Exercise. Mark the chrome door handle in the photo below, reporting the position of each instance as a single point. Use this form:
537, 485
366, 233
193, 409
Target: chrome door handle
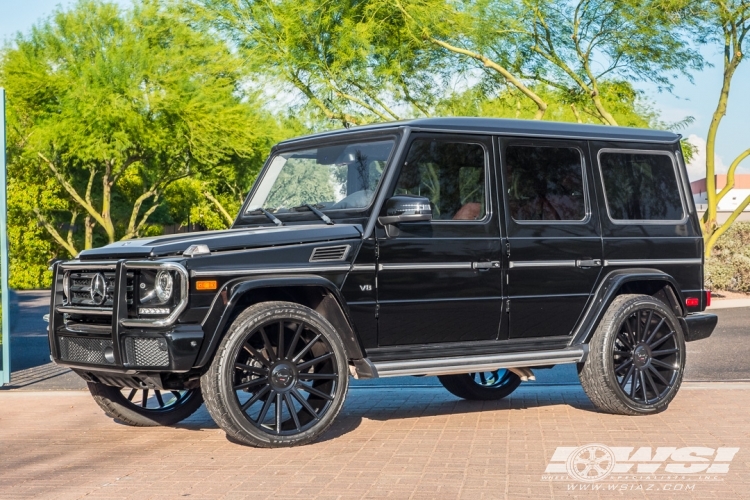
483, 266
589, 263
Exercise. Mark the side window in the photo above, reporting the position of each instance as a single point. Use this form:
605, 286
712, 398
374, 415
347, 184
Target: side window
641, 186
450, 174
544, 183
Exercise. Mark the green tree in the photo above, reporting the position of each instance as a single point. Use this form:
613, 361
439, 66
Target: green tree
727, 24
116, 106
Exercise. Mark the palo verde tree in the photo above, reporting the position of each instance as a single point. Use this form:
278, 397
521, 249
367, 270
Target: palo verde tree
114, 106
726, 24
348, 61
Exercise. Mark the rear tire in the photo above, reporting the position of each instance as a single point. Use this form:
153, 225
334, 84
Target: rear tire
146, 407
279, 377
485, 386
636, 357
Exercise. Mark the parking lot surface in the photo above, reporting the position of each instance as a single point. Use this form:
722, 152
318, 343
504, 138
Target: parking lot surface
389, 442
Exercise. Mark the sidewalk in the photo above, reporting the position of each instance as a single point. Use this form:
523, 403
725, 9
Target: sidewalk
387, 443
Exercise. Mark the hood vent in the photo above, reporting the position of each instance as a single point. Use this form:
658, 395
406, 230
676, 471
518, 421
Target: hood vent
329, 254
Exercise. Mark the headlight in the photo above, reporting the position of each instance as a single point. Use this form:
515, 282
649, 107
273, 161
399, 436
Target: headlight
164, 285
156, 287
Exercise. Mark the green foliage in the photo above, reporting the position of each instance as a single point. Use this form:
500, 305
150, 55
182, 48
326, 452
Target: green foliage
728, 268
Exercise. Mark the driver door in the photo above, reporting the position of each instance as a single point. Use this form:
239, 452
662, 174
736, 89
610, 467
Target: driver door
441, 281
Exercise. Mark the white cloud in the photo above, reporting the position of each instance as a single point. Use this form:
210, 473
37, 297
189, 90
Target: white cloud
697, 166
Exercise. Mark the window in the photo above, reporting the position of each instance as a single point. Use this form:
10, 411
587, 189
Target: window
450, 174
544, 183
343, 176
640, 186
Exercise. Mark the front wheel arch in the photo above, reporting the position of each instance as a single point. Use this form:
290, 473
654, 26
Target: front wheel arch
315, 292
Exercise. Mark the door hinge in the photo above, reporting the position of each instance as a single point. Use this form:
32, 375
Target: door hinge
507, 305
507, 249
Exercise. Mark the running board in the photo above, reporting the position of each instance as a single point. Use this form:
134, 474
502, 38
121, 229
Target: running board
470, 364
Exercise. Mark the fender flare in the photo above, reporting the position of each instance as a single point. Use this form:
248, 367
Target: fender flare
607, 291
229, 297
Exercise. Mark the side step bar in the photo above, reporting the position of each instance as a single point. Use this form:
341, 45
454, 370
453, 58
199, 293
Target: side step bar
469, 364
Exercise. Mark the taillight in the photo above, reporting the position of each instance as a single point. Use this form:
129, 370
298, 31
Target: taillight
692, 302
707, 294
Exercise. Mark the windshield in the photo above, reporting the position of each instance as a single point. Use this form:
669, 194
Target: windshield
344, 176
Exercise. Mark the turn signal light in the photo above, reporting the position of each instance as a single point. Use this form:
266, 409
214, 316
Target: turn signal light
692, 302
206, 285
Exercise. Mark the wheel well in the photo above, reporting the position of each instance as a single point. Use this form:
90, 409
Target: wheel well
316, 298
660, 290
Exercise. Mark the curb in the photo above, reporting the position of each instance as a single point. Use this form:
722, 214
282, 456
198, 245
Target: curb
728, 304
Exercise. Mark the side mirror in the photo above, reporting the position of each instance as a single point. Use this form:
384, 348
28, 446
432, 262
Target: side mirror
406, 208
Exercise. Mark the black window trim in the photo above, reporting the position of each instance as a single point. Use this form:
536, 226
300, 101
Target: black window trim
677, 177
465, 140
506, 201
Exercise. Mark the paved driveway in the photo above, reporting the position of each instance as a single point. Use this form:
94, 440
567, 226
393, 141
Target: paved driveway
417, 443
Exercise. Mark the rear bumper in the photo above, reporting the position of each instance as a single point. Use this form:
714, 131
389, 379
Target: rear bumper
698, 326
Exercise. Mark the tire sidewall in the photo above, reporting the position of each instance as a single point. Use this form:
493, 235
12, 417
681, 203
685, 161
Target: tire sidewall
625, 309
245, 324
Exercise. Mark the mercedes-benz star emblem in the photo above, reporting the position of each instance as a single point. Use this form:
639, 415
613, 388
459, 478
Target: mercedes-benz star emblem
98, 289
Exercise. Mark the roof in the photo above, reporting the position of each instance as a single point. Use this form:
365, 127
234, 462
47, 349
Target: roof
503, 126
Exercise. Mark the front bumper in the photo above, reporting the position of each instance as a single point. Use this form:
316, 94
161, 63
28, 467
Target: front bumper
698, 326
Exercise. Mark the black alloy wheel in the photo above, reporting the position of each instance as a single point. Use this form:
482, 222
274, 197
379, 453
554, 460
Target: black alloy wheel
285, 378
636, 357
279, 378
485, 386
646, 357
146, 407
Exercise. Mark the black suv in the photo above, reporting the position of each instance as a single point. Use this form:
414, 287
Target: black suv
471, 249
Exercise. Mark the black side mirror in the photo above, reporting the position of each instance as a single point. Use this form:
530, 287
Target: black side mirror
406, 208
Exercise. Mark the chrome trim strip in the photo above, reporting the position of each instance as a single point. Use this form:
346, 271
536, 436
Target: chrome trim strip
448, 366
270, 270
95, 311
651, 262
181, 305
361, 268
426, 267
88, 265
542, 263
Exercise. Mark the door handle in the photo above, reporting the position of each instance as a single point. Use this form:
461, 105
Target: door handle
589, 263
483, 266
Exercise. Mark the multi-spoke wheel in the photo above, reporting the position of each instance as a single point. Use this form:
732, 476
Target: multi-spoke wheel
636, 357
146, 407
279, 377
483, 385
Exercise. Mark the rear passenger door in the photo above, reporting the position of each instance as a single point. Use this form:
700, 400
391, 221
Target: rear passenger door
554, 245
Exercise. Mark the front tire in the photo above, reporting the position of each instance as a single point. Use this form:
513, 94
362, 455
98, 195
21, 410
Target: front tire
146, 407
484, 386
636, 357
279, 377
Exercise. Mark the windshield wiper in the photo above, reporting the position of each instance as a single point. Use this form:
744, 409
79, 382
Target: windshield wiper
317, 212
268, 214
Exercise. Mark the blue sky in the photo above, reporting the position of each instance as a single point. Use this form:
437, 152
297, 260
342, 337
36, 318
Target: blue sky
688, 99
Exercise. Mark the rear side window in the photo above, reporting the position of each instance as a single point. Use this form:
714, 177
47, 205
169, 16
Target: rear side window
545, 183
641, 186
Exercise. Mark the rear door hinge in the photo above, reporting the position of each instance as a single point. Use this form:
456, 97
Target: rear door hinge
507, 305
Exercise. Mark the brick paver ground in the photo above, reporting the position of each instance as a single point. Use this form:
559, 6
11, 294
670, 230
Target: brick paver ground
388, 443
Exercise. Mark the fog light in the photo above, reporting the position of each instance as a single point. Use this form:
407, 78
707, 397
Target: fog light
153, 310
109, 355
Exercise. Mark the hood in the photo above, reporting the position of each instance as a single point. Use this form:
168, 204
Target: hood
229, 239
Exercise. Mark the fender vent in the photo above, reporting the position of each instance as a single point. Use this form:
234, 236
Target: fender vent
328, 254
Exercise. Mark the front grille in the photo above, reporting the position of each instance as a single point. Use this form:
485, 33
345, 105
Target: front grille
80, 284
84, 350
146, 351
